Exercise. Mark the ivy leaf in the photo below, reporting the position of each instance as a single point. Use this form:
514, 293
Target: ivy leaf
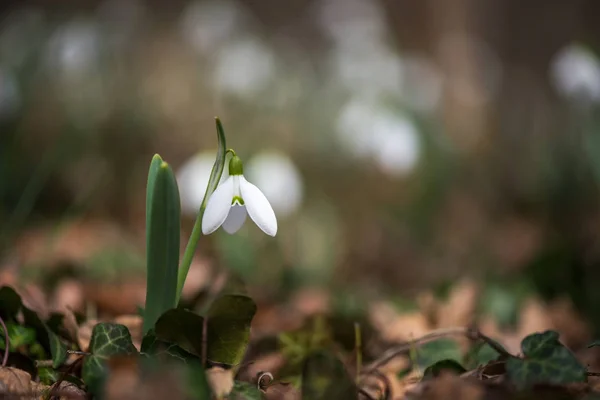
108, 340
228, 328
58, 349
18, 336
324, 377
48, 375
162, 350
245, 391
481, 353
546, 361
438, 350
435, 370
183, 328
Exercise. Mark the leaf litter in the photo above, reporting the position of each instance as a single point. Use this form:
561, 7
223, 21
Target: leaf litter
443, 348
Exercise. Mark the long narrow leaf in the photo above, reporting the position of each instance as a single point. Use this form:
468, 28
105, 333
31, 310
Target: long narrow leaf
162, 253
152, 172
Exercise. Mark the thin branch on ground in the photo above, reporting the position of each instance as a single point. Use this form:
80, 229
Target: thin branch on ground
6, 343
470, 333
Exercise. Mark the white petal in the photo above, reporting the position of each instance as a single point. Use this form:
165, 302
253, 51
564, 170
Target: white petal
258, 207
235, 219
218, 207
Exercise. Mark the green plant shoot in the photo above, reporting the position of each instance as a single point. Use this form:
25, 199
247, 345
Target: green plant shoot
163, 226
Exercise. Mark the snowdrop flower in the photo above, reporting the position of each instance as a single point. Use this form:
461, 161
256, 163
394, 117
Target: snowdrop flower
575, 71
235, 198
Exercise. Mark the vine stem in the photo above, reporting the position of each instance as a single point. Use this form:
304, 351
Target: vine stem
6, 343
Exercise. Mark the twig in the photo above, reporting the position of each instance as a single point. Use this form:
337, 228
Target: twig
6, 343
366, 394
593, 373
79, 353
470, 333
56, 386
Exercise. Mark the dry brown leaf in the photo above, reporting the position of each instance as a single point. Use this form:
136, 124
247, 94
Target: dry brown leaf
117, 298
220, 380
123, 378
447, 386
68, 295
74, 242
266, 363
395, 327
17, 384
459, 309
574, 331
282, 391
199, 276
84, 334
534, 317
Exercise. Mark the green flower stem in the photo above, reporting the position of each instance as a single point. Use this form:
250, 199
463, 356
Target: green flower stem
215, 177
190, 250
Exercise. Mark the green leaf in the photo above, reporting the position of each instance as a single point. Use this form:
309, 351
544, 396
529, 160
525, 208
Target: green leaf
152, 173
438, 350
10, 303
18, 335
57, 348
546, 361
245, 391
183, 328
162, 241
164, 351
219, 165
108, 340
228, 328
481, 353
434, 370
324, 377
47, 375
197, 383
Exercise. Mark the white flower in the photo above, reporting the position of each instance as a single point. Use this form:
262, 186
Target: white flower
192, 178
233, 199
575, 71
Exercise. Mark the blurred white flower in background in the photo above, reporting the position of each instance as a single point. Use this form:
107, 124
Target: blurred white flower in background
575, 71
370, 131
244, 67
361, 59
351, 23
192, 179
206, 25
367, 70
279, 179
75, 46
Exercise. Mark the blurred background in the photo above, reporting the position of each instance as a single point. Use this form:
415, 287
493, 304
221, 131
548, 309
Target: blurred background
405, 146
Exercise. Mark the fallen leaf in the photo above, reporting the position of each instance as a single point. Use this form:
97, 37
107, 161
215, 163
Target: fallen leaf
220, 380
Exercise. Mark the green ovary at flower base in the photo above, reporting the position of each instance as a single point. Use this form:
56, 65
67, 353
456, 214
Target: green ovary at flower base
235, 198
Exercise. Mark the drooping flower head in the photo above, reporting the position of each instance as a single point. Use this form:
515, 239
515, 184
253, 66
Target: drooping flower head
235, 198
